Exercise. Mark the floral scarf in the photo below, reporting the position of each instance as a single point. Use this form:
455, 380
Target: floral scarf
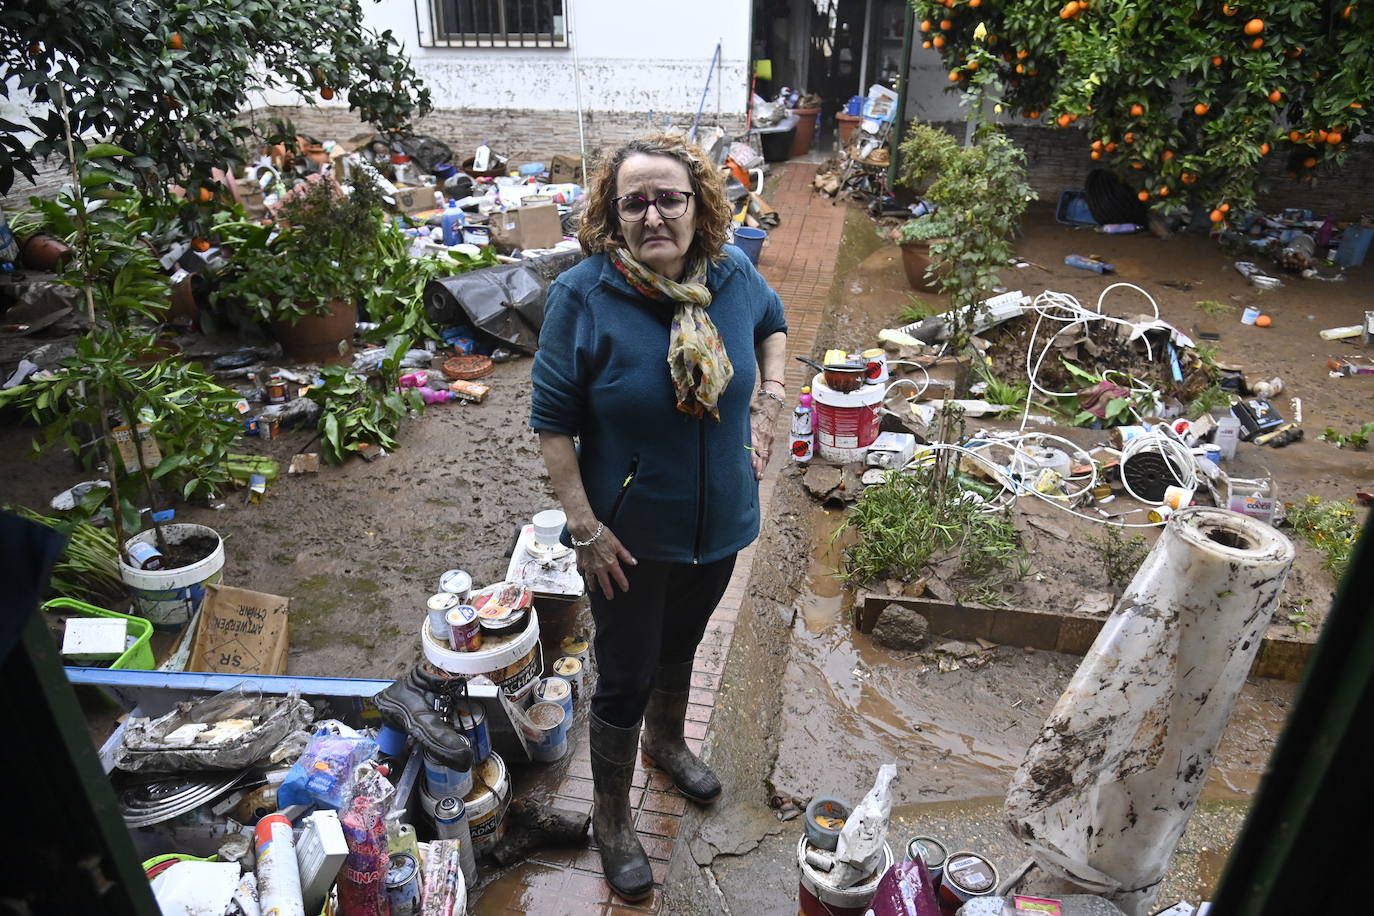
697, 360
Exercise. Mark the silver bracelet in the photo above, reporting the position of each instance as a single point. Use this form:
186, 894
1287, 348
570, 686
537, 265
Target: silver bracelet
600, 527
770, 394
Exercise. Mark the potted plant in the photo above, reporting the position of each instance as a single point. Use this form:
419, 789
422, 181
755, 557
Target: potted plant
305, 276
915, 237
163, 425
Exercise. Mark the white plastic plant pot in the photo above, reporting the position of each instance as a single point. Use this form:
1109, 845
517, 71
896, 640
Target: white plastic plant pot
1104, 794
168, 598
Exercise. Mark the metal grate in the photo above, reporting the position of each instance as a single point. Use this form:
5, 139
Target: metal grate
494, 24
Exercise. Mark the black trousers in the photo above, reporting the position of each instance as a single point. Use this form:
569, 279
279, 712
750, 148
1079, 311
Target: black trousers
659, 621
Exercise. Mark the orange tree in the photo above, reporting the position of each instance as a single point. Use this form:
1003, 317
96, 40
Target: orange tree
169, 81
1184, 99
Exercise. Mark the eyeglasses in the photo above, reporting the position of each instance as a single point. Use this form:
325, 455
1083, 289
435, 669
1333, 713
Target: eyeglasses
670, 205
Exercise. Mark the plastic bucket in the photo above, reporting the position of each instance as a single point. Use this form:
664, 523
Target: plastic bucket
846, 422
750, 241
139, 655
550, 742
512, 662
168, 598
486, 804
819, 898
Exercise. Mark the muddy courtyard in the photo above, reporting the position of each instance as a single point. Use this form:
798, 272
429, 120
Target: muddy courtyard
807, 705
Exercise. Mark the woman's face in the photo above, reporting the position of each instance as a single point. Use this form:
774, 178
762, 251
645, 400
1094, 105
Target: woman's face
659, 244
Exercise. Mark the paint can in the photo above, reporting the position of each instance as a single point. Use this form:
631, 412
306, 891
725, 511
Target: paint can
1158, 515
403, 885
145, 555
437, 609
577, 647
486, 804
276, 390
442, 779
457, 582
1250, 314
967, 875
555, 690
819, 898
477, 235
551, 722
511, 662
570, 669
875, 366
464, 629
1177, 497
930, 851
846, 422
470, 718
1212, 453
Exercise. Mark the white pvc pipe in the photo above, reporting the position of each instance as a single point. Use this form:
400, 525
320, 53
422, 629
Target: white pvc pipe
1104, 794
577, 87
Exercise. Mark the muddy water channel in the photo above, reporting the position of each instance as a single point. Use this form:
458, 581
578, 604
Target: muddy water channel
956, 736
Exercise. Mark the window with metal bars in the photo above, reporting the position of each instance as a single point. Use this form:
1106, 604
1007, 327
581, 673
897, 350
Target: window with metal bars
494, 24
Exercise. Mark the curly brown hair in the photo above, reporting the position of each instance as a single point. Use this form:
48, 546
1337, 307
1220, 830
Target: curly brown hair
599, 228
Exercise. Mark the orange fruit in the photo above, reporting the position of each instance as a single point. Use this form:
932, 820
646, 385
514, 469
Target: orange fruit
1020, 68
974, 4
1294, 136
1143, 196
1032, 71
205, 197
1310, 162
1356, 105
1163, 191
1257, 44
199, 243
946, 25
925, 25
1216, 62
1064, 120
1201, 109
326, 93
1229, 10
1254, 27
938, 41
1097, 144
1333, 138
1033, 115
1188, 177
1022, 54
1225, 208
1129, 138
973, 65
1167, 155
1137, 165
1263, 321
925, 44
175, 42
1321, 136
1111, 146
954, 76
1291, 174
1137, 110
1276, 96
1070, 10
1348, 11
1264, 149
1216, 216
1095, 154
1293, 52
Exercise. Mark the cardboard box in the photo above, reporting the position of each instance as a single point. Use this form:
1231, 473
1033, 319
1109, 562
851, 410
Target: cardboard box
415, 200
240, 632
566, 169
534, 226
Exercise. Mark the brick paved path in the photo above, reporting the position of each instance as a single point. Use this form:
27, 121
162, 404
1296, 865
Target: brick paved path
799, 262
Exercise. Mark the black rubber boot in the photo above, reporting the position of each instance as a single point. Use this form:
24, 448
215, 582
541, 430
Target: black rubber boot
664, 745
623, 862
408, 706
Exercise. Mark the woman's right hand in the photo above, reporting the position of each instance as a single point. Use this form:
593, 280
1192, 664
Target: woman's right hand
601, 563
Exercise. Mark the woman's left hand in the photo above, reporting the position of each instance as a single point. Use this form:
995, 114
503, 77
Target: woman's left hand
762, 419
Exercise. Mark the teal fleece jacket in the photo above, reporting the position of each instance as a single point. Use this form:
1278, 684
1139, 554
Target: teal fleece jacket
672, 488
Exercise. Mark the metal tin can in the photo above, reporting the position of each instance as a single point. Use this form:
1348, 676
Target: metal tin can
569, 668
276, 390
265, 430
967, 875
930, 851
1177, 497
403, 885
555, 690
145, 555
457, 582
465, 630
577, 647
470, 718
875, 366
1158, 515
438, 607
1250, 314
450, 817
442, 779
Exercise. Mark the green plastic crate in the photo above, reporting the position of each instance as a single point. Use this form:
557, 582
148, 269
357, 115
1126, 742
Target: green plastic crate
139, 655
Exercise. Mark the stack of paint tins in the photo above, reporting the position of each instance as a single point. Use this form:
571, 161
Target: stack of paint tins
454, 797
960, 876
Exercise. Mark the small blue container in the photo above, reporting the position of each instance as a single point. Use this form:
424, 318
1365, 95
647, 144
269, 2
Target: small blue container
750, 241
856, 106
1354, 246
552, 724
1073, 209
470, 718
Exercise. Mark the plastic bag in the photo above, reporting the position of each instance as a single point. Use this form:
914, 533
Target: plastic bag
324, 775
905, 890
859, 851
227, 731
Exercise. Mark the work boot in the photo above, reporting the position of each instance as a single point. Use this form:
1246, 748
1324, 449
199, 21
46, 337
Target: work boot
664, 745
408, 706
623, 862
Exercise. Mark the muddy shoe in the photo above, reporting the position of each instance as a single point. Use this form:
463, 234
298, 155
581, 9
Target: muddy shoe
408, 706
623, 862
663, 744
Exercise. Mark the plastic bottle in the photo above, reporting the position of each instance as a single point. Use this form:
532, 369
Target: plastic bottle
435, 396
1227, 435
805, 400
481, 160
1327, 231
1117, 228
452, 223
1097, 267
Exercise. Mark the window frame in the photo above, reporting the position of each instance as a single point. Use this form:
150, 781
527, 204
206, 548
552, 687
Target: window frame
504, 39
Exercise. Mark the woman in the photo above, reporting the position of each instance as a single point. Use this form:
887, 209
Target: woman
647, 357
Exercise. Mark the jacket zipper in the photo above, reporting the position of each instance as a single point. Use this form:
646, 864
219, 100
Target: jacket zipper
701, 488
624, 490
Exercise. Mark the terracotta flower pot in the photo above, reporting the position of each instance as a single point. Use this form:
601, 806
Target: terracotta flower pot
848, 123
44, 251
916, 260
319, 338
806, 128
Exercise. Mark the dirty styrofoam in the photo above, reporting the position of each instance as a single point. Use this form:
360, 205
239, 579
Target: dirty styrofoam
94, 638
